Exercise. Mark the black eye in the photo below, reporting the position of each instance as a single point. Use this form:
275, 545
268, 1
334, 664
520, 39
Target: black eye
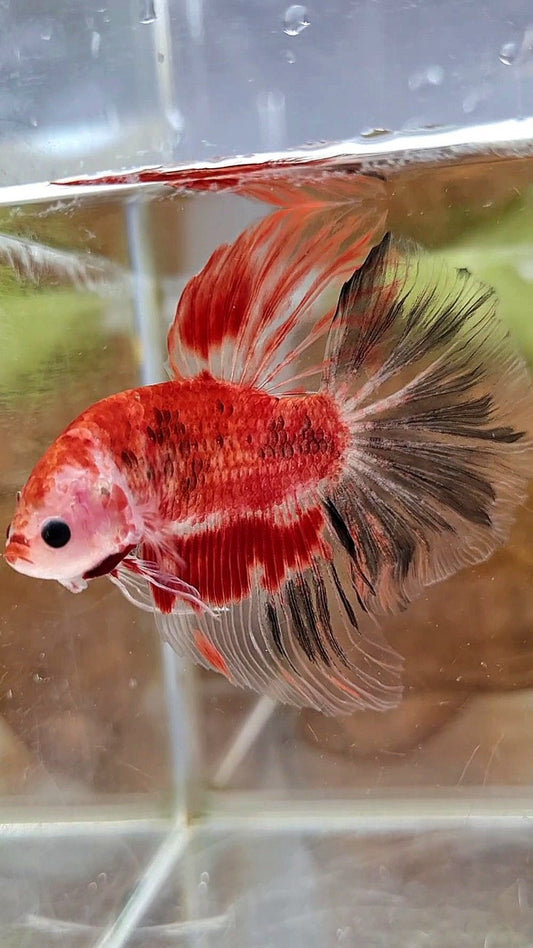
56, 533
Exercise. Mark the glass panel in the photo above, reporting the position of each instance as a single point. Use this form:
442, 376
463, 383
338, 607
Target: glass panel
81, 676
99, 724
88, 86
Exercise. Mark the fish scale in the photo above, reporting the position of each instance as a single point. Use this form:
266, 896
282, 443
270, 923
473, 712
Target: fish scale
232, 460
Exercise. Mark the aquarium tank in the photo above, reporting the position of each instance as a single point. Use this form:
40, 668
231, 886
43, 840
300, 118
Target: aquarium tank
146, 800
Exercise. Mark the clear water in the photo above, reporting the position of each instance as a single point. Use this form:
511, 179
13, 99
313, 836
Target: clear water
143, 803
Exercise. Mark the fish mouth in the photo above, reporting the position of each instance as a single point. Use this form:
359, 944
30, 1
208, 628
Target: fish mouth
17, 550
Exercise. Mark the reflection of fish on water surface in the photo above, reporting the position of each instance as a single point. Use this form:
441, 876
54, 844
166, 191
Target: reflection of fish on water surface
260, 500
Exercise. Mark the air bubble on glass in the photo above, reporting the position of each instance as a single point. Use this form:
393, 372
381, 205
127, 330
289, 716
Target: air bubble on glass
295, 19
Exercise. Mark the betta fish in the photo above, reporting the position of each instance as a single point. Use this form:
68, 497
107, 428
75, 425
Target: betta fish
303, 466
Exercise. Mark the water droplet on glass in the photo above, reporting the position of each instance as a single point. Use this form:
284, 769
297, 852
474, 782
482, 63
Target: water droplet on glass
203, 885
9, 694
132, 683
375, 132
470, 102
525, 270
508, 53
434, 75
148, 14
272, 118
46, 33
295, 20
290, 57
431, 76
161, 57
175, 119
343, 934
96, 39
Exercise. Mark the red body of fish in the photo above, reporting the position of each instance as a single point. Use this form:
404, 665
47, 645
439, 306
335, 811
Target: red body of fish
205, 452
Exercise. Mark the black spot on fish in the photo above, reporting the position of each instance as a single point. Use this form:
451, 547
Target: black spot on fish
301, 629
275, 629
324, 618
343, 597
340, 527
129, 458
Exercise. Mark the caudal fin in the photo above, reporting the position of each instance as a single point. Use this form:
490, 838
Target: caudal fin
440, 407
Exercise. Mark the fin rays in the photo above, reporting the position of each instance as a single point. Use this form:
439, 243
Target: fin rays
250, 314
439, 407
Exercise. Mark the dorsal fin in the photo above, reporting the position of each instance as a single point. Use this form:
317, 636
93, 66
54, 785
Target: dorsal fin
251, 313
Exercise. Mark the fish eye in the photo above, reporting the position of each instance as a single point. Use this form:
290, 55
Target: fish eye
56, 533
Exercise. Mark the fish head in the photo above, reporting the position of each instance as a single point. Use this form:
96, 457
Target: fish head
72, 522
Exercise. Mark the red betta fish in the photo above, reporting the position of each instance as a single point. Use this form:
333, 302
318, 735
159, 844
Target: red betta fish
258, 519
